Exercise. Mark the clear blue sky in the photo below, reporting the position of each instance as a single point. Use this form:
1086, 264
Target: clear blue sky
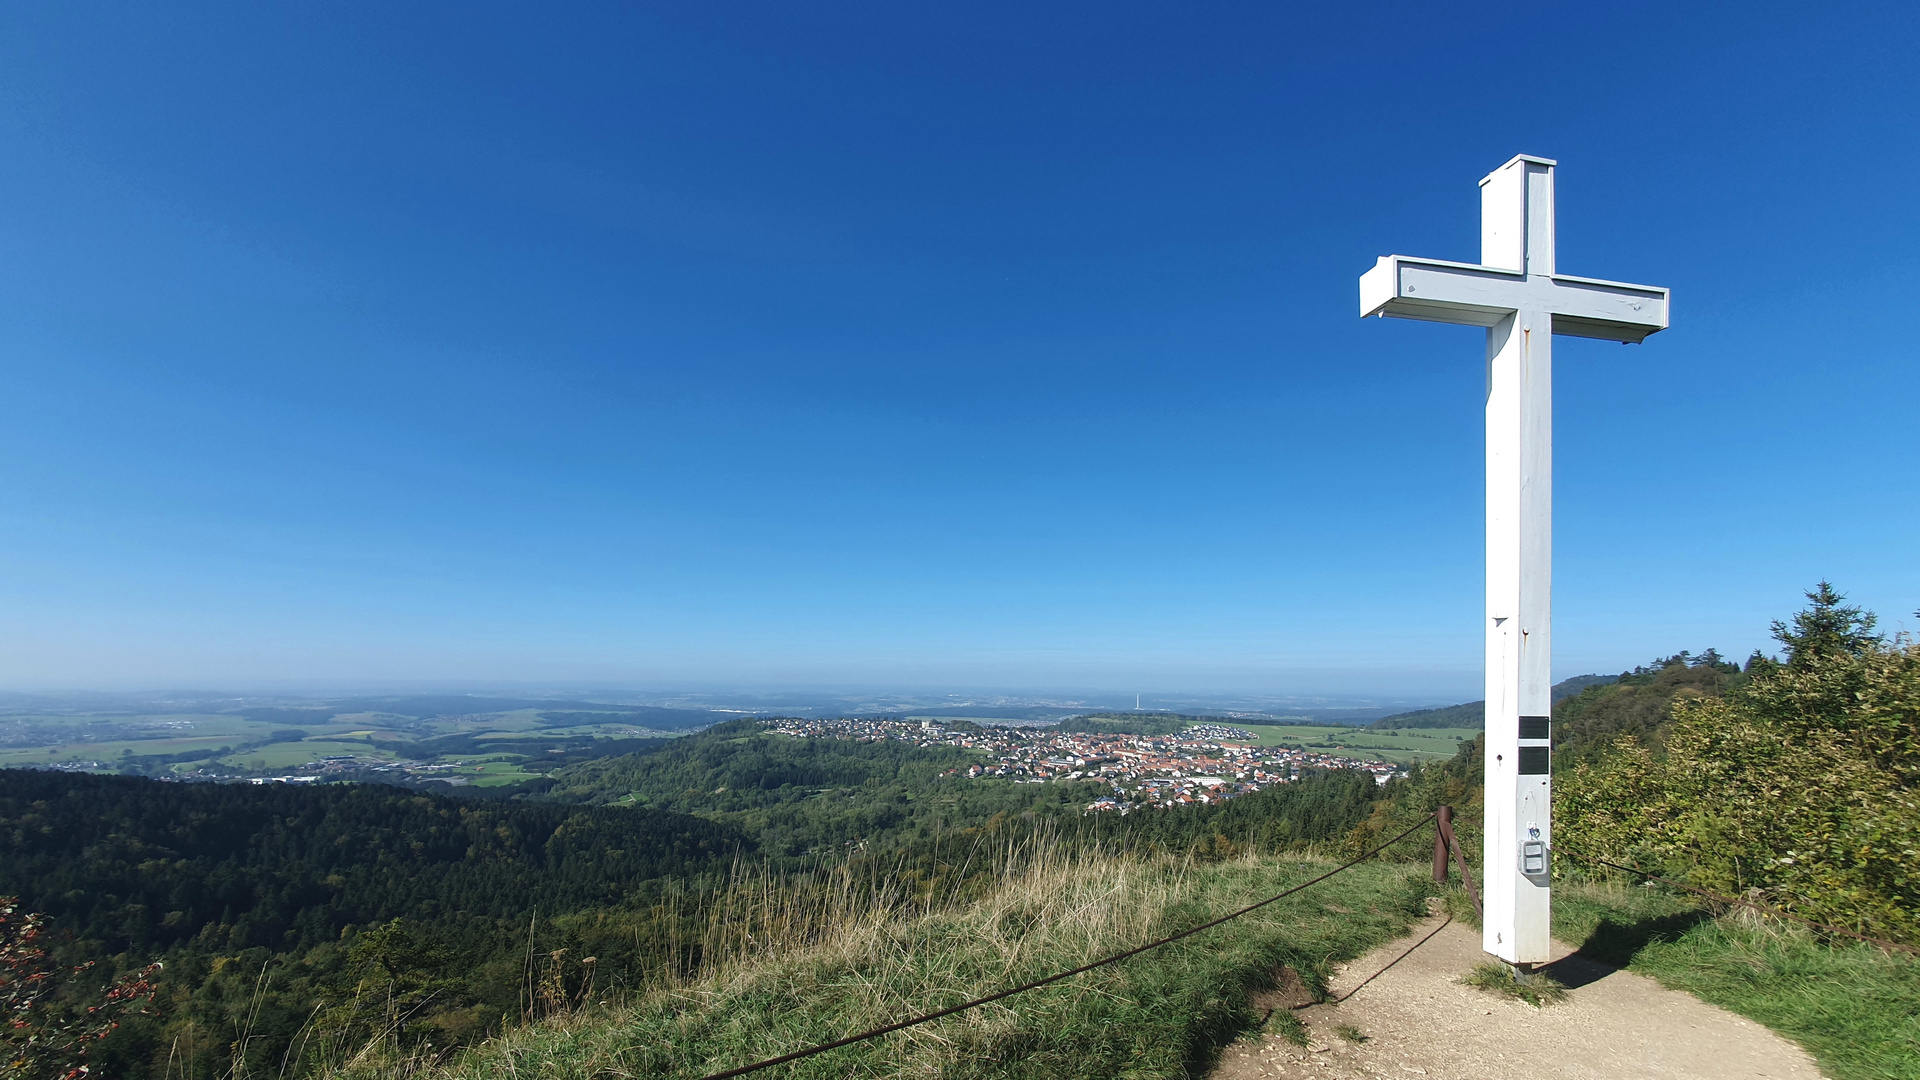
882, 344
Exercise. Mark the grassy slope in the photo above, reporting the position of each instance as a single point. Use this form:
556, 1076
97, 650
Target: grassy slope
1854, 1007
1162, 1014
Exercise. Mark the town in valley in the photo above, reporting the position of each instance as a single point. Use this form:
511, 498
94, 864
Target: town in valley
1205, 763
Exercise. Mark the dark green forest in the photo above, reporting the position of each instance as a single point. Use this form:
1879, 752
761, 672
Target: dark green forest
1471, 714
241, 866
267, 901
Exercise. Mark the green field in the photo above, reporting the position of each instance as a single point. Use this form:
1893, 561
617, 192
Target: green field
605, 731
112, 751
495, 773
259, 747
286, 755
81, 736
1400, 747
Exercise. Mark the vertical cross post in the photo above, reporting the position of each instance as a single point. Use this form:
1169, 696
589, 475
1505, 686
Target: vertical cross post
1516, 233
1522, 300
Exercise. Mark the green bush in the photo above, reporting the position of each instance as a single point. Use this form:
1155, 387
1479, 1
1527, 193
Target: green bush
1799, 785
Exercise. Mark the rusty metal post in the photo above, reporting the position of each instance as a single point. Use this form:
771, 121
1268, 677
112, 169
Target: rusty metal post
1445, 816
1460, 860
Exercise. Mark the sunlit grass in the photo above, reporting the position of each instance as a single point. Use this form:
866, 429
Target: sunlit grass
792, 978
1402, 746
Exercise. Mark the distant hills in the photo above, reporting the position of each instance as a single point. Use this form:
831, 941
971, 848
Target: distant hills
294, 711
560, 711
1136, 723
1637, 703
1474, 713
1471, 715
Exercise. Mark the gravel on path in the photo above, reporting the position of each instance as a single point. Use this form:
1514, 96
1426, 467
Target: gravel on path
1406, 1002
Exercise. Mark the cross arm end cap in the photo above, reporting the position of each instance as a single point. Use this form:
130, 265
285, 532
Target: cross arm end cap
1377, 287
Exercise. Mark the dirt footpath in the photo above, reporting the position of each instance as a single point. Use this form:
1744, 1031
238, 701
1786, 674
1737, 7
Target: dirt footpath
1419, 1020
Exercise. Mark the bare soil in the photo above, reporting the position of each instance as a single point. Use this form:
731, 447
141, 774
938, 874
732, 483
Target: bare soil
1414, 1017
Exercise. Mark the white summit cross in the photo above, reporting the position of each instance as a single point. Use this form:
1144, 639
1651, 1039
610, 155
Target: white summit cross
1516, 294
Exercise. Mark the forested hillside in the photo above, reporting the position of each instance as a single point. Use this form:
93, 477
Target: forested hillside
301, 888
142, 865
1471, 714
1474, 713
1638, 703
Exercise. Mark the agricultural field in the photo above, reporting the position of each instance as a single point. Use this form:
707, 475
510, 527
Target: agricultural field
67, 752
280, 756
1402, 747
406, 740
496, 773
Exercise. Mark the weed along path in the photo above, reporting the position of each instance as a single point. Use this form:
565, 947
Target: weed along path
1401, 1013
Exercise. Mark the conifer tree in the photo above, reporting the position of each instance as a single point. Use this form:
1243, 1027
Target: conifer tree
1826, 629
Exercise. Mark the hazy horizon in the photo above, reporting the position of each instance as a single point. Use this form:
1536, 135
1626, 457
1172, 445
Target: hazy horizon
748, 697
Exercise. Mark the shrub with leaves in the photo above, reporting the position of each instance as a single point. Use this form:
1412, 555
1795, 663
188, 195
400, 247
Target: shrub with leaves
1803, 784
393, 993
53, 1014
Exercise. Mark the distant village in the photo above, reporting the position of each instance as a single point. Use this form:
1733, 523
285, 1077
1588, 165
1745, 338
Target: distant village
1202, 764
